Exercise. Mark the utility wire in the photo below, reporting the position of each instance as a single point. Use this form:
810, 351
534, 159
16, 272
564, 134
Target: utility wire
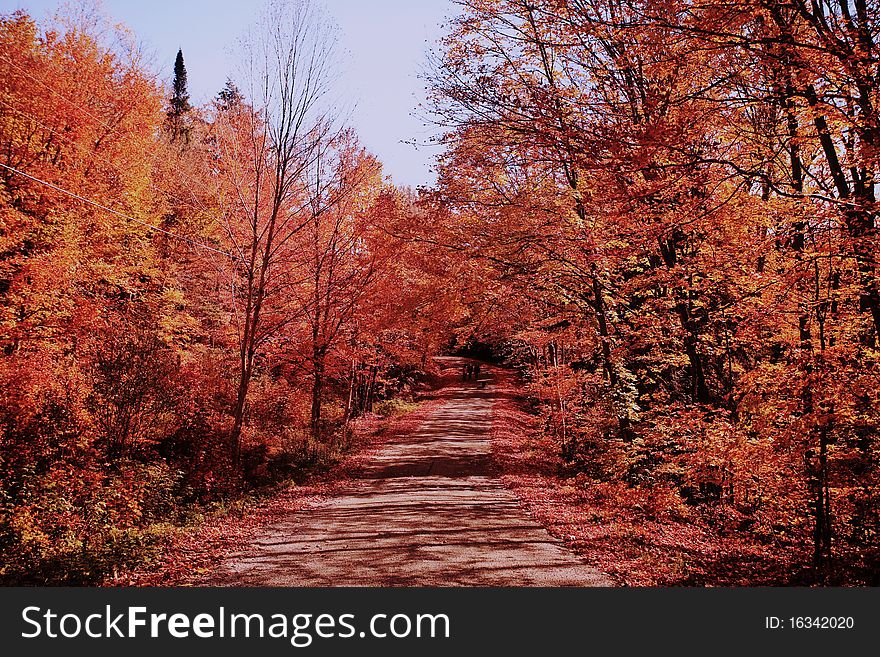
94, 154
89, 201
79, 107
82, 198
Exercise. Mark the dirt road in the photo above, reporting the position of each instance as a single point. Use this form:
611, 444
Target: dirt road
427, 511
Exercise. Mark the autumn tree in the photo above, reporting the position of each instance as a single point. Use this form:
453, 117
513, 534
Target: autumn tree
147, 289
687, 178
80, 303
336, 263
264, 150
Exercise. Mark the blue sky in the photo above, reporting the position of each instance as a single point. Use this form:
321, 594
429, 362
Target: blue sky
387, 42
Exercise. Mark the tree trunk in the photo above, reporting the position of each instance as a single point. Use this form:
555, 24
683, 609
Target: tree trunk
699, 389
371, 387
349, 402
317, 394
821, 511
858, 220
238, 415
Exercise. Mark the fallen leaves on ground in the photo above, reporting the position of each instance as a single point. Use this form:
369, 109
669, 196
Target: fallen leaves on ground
615, 530
192, 554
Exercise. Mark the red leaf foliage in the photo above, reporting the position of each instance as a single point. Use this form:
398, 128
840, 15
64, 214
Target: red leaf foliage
628, 534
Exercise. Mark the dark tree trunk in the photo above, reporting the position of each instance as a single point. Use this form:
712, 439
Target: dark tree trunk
699, 389
317, 393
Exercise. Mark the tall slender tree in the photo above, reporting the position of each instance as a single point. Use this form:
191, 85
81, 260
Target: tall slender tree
265, 152
178, 113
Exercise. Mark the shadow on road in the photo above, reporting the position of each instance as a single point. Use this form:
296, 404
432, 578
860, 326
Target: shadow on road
428, 510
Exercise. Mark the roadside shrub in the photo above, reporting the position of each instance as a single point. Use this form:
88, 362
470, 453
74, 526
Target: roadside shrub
389, 407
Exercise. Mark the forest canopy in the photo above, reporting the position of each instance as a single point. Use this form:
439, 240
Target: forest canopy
673, 205
193, 300
661, 214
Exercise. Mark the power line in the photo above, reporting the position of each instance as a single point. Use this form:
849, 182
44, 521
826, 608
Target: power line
57, 93
82, 109
116, 212
95, 155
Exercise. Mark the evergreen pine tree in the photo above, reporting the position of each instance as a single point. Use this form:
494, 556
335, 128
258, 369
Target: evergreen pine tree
178, 123
229, 96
